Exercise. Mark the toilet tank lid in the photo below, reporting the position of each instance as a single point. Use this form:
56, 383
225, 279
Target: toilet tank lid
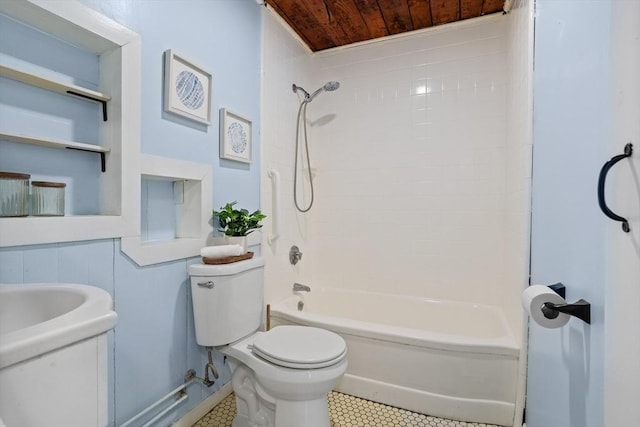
200, 269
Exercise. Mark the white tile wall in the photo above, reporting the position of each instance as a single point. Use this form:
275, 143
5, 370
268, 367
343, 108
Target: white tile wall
416, 190
411, 180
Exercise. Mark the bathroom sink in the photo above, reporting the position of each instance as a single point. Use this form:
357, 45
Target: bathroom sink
38, 318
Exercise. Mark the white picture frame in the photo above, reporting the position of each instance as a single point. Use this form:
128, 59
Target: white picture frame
187, 88
235, 137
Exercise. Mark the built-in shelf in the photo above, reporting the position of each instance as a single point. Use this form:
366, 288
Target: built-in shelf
118, 51
55, 86
56, 143
193, 183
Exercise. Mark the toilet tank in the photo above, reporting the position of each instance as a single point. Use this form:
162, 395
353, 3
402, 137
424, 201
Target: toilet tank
227, 300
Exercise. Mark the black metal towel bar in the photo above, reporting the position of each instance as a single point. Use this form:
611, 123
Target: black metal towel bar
628, 150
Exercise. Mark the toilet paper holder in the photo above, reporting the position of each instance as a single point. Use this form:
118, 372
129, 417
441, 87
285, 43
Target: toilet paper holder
580, 309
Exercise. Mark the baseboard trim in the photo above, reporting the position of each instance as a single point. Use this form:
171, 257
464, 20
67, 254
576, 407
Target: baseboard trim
192, 417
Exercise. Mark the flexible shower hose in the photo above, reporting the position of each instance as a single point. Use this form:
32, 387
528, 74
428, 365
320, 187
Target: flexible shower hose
302, 112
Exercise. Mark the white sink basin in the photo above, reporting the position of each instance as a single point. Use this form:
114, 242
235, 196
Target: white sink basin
38, 318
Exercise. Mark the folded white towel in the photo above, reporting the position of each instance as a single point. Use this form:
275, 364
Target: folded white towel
221, 251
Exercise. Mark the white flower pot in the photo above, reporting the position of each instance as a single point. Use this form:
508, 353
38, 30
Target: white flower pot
238, 240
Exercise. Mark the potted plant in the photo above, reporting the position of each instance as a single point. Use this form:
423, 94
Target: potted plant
238, 223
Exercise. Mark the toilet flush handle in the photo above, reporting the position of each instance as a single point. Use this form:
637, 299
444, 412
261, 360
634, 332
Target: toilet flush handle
208, 285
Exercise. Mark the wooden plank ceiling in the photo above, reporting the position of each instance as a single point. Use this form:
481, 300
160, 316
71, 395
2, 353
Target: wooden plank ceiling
324, 24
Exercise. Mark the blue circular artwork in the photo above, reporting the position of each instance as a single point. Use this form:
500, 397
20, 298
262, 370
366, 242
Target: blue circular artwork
238, 137
189, 90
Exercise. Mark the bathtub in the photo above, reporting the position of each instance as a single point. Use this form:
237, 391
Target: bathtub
443, 358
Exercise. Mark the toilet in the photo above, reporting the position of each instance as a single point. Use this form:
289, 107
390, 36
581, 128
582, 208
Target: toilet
281, 377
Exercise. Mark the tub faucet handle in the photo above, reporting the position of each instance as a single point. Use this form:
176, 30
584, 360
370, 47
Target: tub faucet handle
294, 255
298, 287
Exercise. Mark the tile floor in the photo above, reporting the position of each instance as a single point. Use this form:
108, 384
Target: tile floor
346, 411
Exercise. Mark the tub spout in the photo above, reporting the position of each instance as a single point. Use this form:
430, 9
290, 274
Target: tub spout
298, 287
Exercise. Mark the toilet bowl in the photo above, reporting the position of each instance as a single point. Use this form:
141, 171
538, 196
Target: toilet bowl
281, 377
288, 387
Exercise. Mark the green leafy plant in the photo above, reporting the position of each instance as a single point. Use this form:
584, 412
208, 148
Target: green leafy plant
238, 222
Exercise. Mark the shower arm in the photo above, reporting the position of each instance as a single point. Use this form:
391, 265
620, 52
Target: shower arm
296, 88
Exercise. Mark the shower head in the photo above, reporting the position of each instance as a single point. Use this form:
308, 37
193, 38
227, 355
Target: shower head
328, 87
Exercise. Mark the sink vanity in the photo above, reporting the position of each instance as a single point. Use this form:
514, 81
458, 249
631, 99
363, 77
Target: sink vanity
53, 354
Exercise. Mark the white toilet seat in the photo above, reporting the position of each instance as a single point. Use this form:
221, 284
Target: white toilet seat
300, 347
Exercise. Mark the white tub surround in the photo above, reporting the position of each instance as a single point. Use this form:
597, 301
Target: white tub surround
53, 355
430, 132
443, 358
430, 127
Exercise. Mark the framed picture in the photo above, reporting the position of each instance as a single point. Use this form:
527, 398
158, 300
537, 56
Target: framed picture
187, 88
235, 137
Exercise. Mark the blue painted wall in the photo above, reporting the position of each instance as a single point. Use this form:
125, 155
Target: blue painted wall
224, 38
154, 342
571, 125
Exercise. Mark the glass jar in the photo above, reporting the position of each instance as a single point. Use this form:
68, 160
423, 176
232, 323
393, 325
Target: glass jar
14, 194
48, 198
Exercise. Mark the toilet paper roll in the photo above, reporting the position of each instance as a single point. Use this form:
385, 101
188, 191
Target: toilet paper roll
533, 299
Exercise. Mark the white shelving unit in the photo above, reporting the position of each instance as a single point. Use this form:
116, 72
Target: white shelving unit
56, 143
52, 143
119, 90
51, 84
